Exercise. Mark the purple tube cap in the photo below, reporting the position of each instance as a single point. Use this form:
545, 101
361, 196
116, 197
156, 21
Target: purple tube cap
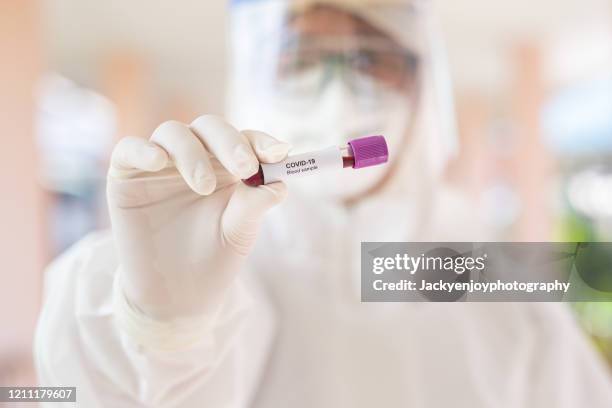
369, 151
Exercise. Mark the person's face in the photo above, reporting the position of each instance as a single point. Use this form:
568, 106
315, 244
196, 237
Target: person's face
326, 32
325, 42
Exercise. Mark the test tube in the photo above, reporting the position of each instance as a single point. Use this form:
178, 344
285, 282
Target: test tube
358, 153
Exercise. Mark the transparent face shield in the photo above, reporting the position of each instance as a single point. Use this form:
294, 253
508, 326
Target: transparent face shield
318, 73
366, 61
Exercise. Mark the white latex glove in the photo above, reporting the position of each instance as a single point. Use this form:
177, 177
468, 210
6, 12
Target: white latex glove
182, 220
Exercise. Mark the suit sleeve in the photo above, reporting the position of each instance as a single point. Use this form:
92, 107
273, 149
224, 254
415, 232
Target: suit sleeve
89, 336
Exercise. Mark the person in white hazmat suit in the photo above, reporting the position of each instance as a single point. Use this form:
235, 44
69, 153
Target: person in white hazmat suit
210, 293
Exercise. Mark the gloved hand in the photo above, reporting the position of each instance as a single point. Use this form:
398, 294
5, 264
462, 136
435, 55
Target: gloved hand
182, 220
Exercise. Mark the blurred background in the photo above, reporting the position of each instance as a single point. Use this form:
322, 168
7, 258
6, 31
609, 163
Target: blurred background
532, 82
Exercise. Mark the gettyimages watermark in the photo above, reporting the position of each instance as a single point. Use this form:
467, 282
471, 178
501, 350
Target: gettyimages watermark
486, 272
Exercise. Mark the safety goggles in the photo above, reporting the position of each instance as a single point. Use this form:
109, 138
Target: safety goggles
306, 65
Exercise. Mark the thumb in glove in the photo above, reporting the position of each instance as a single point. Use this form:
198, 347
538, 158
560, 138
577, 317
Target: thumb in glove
247, 206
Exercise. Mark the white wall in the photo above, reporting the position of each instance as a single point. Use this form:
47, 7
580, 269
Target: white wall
184, 41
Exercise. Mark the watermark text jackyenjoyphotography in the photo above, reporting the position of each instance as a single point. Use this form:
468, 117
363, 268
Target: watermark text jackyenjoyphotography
462, 271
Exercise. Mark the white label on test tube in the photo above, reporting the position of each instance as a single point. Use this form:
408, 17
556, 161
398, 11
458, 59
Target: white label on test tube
303, 165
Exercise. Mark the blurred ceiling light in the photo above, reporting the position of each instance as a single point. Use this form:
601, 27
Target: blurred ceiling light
578, 120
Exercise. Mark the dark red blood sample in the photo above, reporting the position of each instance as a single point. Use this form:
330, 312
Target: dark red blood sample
348, 161
256, 179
